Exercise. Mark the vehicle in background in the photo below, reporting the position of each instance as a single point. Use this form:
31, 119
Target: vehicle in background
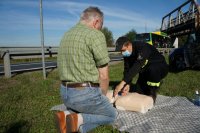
187, 56
157, 39
184, 21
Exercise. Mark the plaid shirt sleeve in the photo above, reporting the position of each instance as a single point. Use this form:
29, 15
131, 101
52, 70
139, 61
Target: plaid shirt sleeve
99, 50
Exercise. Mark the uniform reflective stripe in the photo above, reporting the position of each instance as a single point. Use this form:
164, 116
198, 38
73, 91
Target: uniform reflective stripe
146, 61
153, 83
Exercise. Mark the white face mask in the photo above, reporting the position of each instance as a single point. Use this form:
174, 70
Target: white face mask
126, 53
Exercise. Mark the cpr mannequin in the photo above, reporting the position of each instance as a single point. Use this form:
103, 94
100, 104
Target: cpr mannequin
132, 102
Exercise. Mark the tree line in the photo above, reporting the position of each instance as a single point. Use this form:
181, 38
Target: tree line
109, 36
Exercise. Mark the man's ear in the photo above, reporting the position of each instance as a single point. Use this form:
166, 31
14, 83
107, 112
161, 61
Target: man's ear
126, 44
129, 44
95, 23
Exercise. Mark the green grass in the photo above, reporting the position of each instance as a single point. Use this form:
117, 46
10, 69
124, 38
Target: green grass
26, 99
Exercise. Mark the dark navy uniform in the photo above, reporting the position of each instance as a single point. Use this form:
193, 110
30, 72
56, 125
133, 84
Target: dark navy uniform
151, 66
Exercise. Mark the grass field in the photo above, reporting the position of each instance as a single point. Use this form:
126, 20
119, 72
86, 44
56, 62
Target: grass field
26, 99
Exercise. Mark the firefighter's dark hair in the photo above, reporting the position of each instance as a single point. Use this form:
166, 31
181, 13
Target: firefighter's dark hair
123, 40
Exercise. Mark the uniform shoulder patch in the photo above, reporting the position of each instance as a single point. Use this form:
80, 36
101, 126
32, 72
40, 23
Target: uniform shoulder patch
140, 57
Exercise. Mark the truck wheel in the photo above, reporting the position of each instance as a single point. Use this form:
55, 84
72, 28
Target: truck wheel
180, 63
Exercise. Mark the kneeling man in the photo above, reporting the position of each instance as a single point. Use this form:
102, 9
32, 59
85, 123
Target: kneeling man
142, 58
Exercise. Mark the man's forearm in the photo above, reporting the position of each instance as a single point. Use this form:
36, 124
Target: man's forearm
104, 85
104, 79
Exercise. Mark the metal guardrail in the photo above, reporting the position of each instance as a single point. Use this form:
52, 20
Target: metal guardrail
26, 51
8, 53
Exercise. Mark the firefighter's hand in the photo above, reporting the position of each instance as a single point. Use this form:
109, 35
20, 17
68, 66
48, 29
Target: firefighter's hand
119, 88
125, 90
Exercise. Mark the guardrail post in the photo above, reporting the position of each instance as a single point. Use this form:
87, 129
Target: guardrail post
50, 52
7, 67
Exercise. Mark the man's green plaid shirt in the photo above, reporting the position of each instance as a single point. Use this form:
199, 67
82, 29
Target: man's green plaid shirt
82, 50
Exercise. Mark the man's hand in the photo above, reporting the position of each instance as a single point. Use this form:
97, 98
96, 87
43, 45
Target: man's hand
125, 91
123, 88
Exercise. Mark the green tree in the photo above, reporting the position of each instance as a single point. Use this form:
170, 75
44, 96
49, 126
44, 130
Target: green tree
109, 36
131, 34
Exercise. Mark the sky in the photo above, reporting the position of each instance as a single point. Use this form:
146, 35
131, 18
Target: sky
20, 19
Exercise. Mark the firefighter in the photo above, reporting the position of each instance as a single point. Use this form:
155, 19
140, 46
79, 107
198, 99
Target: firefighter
142, 58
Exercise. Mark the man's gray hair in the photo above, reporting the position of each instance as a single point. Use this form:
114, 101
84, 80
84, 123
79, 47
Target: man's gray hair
90, 13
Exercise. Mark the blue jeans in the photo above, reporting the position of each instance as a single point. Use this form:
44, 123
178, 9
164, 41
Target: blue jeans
91, 103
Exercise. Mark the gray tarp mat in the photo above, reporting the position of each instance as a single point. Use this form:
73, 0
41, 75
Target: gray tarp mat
169, 115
